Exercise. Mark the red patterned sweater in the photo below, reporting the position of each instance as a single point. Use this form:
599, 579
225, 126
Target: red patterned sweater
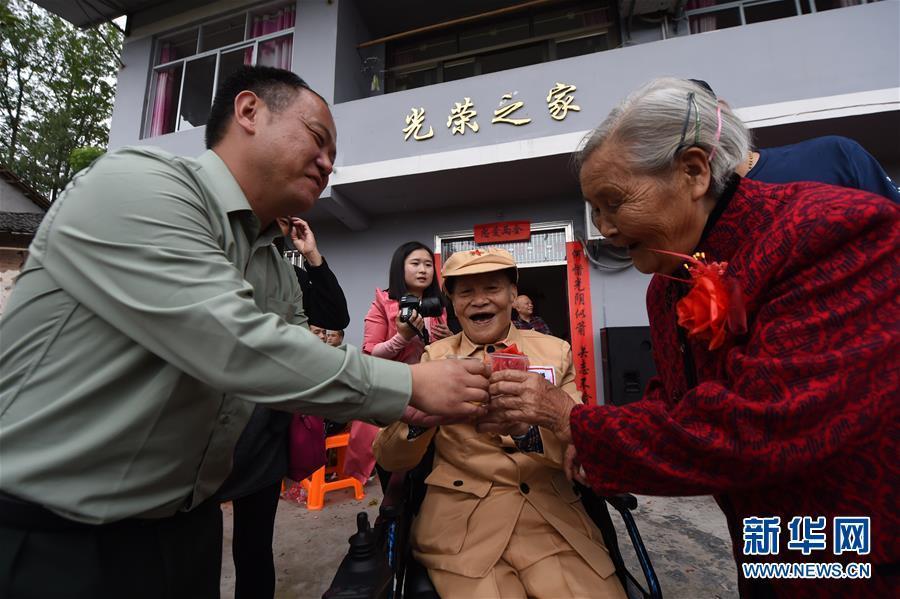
799, 416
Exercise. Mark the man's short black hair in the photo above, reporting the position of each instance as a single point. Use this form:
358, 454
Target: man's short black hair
276, 87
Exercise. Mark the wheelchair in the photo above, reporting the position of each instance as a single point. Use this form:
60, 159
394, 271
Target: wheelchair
380, 565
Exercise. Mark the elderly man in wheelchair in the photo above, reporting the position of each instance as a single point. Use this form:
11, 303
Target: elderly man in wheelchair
499, 518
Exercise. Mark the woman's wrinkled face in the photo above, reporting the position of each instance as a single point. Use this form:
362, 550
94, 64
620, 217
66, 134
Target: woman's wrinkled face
640, 212
418, 271
483, 304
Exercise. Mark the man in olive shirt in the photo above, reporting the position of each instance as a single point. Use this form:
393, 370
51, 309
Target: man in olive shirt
152, 314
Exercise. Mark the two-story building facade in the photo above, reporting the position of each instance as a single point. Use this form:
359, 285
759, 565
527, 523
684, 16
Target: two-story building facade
454, 115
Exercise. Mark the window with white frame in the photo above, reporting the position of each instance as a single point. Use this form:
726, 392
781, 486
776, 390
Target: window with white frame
189, 64
711, 15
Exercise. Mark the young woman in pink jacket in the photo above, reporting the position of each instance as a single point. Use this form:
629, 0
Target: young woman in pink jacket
385, 336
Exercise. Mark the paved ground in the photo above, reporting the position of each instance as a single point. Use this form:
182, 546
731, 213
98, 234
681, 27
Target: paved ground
686, 538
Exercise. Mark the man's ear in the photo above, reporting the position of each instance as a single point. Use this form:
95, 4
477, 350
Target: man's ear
693, 163
247, 108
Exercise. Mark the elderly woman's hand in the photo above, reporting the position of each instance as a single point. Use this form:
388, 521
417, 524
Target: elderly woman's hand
526, 397
573, 469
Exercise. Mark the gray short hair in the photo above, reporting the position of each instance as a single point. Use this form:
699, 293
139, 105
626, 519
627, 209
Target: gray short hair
650, 123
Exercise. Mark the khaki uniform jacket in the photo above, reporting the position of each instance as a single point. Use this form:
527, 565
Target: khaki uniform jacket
481, 481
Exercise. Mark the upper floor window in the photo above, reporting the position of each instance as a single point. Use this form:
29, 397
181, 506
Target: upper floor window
710, 15
487, 46
188, 65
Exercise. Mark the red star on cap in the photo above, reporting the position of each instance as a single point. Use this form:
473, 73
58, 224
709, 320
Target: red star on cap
476, 252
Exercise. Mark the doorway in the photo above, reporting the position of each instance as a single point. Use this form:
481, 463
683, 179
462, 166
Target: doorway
547, 288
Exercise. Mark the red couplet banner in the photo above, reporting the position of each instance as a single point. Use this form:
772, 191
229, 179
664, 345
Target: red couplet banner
580, 321
515, 230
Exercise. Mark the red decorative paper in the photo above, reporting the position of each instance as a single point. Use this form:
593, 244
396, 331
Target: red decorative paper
515, 230
582, 327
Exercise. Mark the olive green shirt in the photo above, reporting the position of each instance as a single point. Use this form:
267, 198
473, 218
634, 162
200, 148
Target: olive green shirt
150, 317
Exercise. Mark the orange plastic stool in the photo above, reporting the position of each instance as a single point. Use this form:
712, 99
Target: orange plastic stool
315, 485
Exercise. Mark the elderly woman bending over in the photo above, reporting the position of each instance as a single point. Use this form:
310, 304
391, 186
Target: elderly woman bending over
499, 519
775, 324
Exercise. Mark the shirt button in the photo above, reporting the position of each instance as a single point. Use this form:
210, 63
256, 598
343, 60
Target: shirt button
524, 488
457, 483
509, 449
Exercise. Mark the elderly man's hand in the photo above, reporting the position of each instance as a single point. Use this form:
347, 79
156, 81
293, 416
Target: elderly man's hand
495, 422
527, 397
456, 388
415, 417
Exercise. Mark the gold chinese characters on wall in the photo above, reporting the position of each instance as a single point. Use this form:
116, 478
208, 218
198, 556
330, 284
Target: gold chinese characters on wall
463, 115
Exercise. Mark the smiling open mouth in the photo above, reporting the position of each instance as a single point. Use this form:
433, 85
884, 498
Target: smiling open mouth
481, 317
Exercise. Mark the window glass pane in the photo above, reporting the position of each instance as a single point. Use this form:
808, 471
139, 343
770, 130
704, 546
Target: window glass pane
767, 12
197, 92
411, 80
829, 4
271, 20
229, 62
582, 45
164, 94
570, 19
412, 52
177, 46
512, 58
715, 20
276, 52
493, 35
459, 70
223, 33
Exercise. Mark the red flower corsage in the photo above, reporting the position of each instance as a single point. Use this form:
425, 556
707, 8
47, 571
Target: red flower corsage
714, 306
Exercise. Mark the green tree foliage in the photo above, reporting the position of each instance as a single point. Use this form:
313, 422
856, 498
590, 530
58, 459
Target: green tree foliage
57, 87
81, 158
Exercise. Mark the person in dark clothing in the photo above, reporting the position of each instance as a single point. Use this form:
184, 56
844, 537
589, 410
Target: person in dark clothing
525, 318
831, 159
260, 457
323, 298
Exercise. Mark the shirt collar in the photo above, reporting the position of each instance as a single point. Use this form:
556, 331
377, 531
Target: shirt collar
513, 337
229, 195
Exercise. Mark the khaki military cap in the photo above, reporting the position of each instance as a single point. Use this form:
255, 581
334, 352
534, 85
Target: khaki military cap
477, 261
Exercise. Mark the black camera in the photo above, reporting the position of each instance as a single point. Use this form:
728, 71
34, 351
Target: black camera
429, 306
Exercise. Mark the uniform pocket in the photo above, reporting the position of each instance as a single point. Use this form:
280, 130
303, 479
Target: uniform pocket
452, 497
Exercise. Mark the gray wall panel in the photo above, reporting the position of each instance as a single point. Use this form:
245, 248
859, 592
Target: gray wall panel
131, 88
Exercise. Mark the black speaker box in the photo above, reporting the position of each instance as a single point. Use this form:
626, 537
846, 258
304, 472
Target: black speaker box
627, 363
